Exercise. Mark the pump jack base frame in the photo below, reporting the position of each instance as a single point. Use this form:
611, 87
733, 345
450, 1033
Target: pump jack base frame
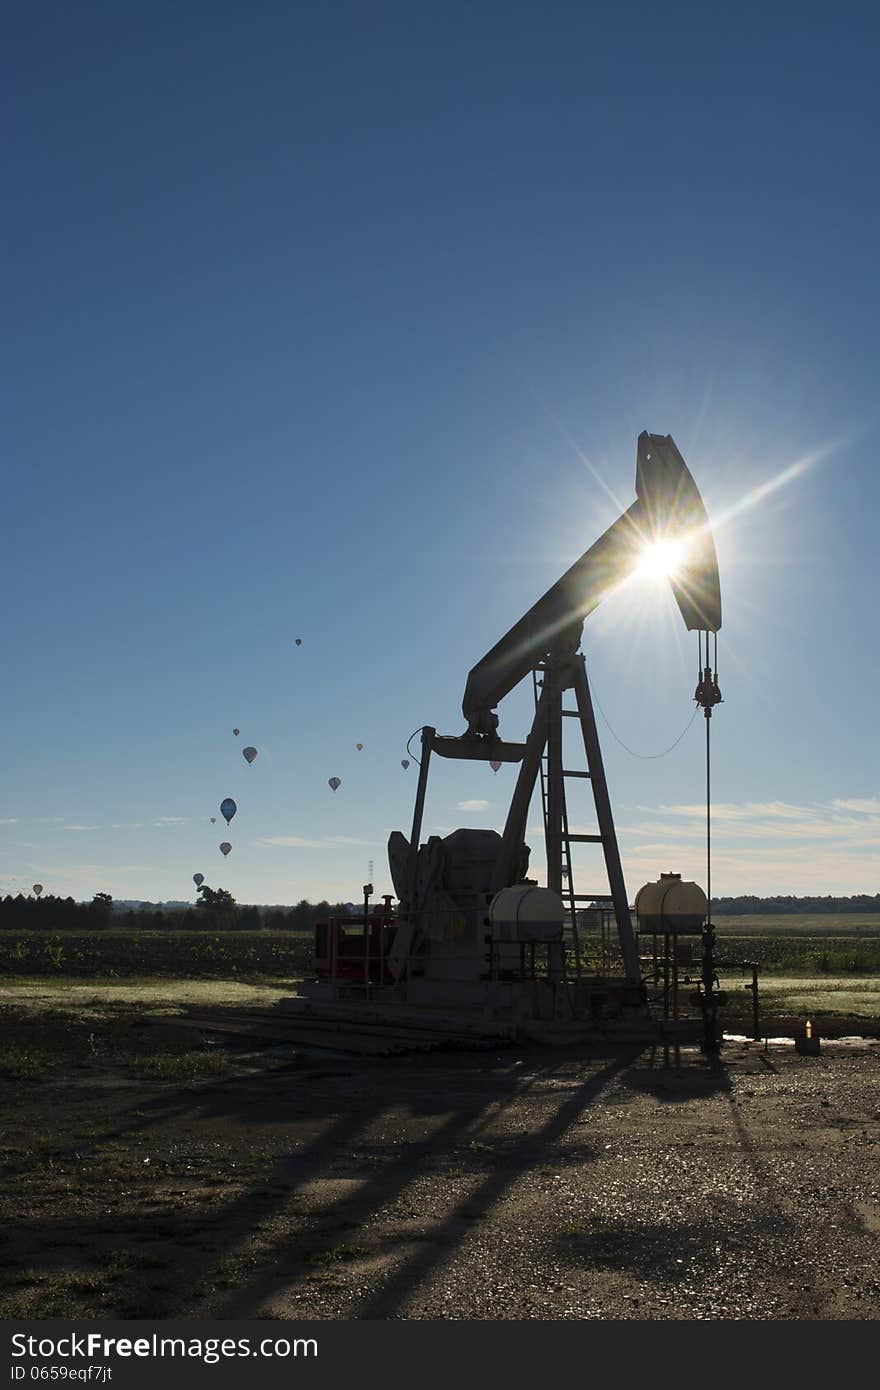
389, 1015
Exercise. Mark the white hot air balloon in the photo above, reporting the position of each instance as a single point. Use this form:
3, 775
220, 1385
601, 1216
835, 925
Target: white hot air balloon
334, 782
225, 848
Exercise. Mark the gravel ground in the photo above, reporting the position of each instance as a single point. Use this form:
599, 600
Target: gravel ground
488, 1186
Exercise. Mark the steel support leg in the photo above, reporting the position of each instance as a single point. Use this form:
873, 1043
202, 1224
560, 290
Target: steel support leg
606, 822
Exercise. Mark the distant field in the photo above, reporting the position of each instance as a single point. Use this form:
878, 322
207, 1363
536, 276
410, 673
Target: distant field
185, 955
801, 924
783, 945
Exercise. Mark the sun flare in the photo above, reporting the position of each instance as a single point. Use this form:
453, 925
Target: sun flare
661, 559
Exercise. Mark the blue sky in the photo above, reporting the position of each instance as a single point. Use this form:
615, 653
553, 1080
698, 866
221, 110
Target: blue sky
339, 322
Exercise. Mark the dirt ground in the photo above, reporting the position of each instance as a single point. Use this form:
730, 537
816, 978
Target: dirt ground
150, 1173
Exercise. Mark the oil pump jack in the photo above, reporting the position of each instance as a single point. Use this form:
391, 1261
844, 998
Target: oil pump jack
472, 933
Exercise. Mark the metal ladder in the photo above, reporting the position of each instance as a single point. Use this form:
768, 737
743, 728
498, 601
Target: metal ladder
570, 898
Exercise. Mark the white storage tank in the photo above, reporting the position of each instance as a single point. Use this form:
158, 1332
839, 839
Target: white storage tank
526, 913
671, 905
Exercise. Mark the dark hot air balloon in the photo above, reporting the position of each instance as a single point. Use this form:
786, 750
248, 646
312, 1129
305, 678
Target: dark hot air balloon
334, 782
249, 754
198, 879
228, 809
225, 848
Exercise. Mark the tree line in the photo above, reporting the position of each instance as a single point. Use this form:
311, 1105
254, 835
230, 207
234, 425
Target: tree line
216, 910
779, 906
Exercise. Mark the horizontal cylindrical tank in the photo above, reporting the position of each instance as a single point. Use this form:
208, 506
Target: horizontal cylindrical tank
526, 912
671, 905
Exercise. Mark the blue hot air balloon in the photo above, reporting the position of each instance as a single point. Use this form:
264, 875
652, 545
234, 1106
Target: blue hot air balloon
228, 809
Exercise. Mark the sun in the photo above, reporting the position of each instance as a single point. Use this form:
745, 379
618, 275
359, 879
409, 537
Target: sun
661, 559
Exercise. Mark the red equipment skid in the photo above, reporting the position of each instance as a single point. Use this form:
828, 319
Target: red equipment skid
355, 948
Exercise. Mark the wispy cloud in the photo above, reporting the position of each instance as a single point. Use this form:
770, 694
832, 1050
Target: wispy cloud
170, 820
293, 842
9, 820
82, 827
329, 842
472, 805
762, 847
746, 810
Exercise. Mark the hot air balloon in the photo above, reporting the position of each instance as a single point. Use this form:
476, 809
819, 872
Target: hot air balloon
249, 753
236, 732
198, 879
213, 820
349, 907
494, 766
225, 848
228, 809
359, 747
38, 888
299, 641
404, 763
334, 782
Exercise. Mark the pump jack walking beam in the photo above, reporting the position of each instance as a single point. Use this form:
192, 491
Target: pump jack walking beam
668, 504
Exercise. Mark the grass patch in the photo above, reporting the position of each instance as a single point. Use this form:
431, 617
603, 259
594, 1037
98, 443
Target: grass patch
336, 1254
820, 997
15, 1278
180, 1066
24, 1063
99, 998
